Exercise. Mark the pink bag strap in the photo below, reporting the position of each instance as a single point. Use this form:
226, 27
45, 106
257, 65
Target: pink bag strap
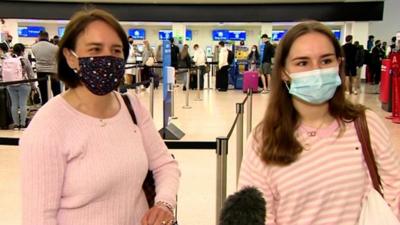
363, 136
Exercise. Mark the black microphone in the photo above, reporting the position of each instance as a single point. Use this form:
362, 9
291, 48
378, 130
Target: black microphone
246, 207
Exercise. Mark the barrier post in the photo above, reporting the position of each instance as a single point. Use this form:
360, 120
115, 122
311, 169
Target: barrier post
239, 137
222, 153
49, 92
187, 106
198, 85
137, 78
249, 111
152, 97
172, 89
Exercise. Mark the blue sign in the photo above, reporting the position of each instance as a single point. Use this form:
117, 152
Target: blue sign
29, 31
61, 31
239, 35
137, 34
220, 35
277, 35
165, 35
337, 34
166, 95
188, 35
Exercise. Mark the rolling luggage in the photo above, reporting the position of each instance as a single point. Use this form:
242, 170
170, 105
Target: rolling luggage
250, 81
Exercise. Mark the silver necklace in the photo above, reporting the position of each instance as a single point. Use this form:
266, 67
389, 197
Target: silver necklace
103, 122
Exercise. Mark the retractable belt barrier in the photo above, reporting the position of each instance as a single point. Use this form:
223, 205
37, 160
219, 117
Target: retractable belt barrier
21, 81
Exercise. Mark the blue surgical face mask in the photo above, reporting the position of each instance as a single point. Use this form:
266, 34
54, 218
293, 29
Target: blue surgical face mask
315, 86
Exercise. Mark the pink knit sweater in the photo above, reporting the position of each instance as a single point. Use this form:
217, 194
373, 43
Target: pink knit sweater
77, 172
326, 185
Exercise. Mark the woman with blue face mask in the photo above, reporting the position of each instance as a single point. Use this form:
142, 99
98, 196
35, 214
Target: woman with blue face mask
84, 157
305, 156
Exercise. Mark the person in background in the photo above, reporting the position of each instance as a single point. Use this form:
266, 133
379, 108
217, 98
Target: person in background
384, 49
19, 92
393, 44
46, 65
350, 65
199, 58
360, 61
305, 155
147, 54
83, 157
253, 58
56, 39
376, 62
370, 42
185, 61
8, 42
266, 63
174, 54
223, 66
3, 52
130, 73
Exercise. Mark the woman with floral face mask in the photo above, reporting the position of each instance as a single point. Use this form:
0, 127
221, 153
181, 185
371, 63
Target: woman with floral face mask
83, 158
305, 155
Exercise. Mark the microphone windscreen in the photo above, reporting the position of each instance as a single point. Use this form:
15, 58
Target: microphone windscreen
246, 207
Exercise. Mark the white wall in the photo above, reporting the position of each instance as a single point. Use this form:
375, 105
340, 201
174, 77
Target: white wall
386, 29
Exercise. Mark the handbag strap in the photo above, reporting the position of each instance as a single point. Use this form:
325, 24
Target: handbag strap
363, 136
130, 109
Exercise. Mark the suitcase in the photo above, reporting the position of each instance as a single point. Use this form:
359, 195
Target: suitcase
239, 82
250, 81
193, 81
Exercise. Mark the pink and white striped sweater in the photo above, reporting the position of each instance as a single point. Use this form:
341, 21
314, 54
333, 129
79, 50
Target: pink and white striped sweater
326, 185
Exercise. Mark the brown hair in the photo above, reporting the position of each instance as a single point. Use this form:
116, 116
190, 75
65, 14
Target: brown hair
77, 25
279, 146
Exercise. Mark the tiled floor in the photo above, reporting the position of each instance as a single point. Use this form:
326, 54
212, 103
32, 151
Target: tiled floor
207, 119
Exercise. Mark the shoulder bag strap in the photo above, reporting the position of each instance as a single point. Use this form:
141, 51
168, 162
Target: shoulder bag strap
130, 109
363, 135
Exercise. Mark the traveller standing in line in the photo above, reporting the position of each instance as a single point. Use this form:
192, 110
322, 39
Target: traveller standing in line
223, 66
46, 65
174, 54
370, 42
350, 66
19, 93
266, 63
84, 157
376, 62
360, 61
253, 58
305, 156
199, 58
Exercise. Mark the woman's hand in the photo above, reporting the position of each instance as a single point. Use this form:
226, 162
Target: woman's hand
159, 214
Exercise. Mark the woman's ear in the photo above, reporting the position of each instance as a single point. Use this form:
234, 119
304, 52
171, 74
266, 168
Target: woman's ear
71, 59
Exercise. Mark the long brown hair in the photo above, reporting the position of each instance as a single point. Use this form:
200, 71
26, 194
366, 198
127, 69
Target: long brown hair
278, 144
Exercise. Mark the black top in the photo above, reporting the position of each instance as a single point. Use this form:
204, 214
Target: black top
268, 53
174, 55
350, 54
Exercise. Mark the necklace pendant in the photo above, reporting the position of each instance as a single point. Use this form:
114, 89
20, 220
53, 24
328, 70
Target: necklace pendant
312, 133
102, 123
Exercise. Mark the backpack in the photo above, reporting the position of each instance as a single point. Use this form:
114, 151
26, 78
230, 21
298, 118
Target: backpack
12, 69
231, 57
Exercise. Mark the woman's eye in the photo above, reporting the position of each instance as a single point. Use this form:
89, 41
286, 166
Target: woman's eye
94, 49
326, 61
301, 63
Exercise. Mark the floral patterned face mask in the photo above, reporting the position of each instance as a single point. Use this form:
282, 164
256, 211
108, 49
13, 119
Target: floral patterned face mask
101, 74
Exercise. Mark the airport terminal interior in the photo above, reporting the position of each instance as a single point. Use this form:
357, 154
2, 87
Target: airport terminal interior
204, 114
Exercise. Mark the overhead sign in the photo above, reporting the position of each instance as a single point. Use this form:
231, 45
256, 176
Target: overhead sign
277, 35
137, 34
61, 31
188, 35
30, 31
337, 33
237, 35
220, 35
165, 35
